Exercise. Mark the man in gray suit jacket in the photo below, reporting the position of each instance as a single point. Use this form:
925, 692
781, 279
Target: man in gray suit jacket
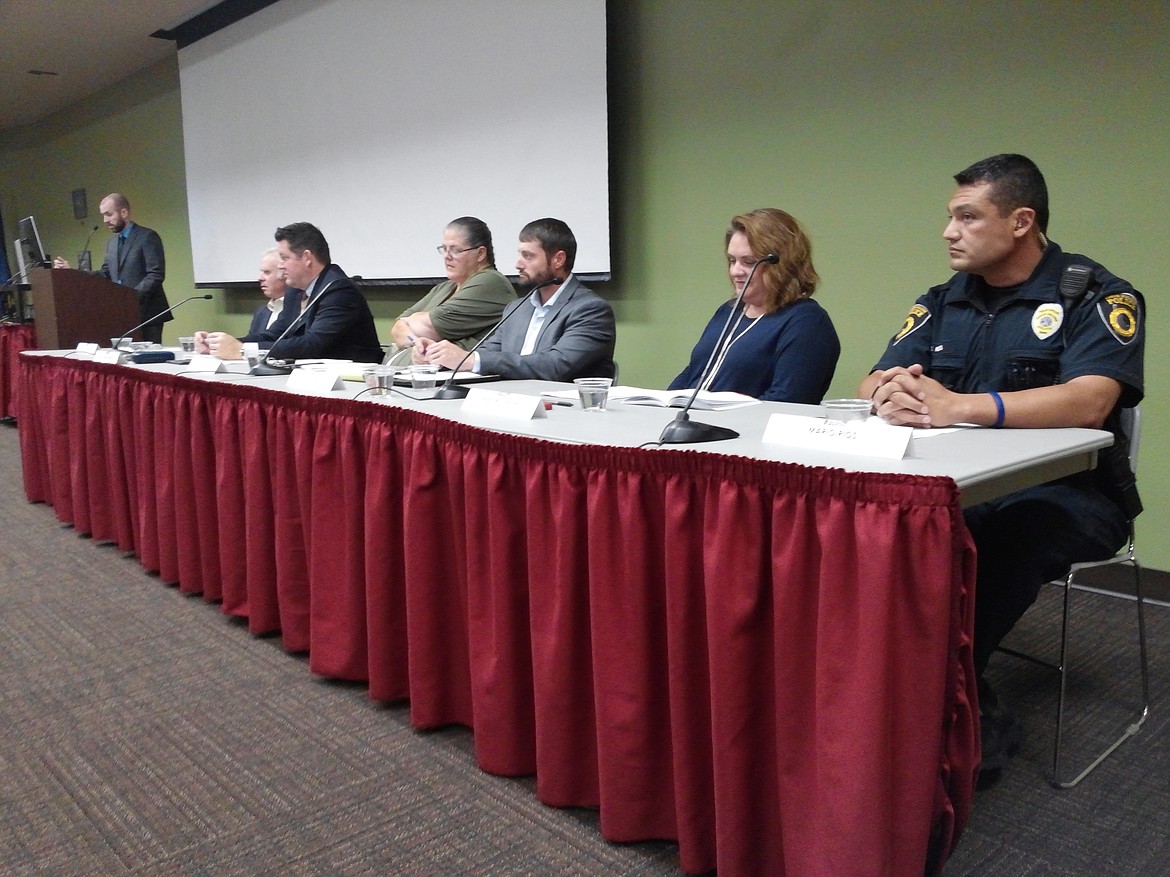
559, 331
134, 257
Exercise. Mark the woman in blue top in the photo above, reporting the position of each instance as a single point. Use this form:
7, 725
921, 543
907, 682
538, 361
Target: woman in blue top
782, 346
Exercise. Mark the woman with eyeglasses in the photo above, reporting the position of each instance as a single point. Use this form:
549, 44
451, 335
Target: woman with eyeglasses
779, 345
463, 307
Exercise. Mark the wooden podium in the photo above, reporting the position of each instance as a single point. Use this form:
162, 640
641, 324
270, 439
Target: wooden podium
73, 306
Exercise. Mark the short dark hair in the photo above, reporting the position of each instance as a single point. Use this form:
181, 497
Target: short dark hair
1015, 182
552, 235
477, 234
301, 236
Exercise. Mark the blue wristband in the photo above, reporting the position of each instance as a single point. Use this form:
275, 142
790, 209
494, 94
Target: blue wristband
998, 410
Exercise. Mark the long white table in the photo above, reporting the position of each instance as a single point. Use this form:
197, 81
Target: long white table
984, 463
722, 643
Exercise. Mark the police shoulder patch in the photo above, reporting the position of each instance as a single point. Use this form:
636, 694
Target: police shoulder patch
1121, 314
918, 316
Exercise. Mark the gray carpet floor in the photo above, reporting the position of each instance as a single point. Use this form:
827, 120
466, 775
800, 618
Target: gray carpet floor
144, 733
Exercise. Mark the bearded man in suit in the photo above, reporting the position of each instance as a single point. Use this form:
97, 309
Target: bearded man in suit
134, 257
564, 330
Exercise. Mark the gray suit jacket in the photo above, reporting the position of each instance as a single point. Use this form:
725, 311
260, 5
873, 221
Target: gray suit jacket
576, 340
143, 266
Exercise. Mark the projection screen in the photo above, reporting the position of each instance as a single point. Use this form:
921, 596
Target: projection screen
380, 121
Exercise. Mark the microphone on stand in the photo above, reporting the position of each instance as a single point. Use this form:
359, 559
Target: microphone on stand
264, 368
83, 259
449, 390
683, 430
167, 311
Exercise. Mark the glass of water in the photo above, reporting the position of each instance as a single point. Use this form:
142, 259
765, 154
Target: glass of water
594, 392
423, 375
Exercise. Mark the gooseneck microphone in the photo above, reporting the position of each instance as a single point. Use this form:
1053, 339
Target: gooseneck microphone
85, 249
449, 390
167, 311
264, 368
683, 430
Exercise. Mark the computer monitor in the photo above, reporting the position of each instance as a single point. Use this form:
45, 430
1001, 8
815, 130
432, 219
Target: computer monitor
30, 252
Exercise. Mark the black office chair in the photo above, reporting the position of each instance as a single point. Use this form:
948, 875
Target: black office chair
1131, 423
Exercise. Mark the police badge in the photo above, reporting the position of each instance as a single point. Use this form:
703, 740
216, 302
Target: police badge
1047, 319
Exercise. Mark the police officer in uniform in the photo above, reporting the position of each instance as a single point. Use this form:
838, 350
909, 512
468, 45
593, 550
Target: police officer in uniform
1024, 335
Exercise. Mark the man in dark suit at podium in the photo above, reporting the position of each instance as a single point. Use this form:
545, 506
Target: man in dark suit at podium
134, 257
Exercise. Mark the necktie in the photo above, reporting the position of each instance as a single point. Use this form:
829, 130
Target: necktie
121, 247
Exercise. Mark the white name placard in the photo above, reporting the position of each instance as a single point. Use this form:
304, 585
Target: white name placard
107, 355
205, 362
315, 380
497, 403
872, 437
87, 347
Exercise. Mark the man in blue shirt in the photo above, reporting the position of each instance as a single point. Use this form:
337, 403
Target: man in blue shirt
135, 258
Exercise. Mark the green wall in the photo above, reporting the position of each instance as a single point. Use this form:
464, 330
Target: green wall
853, 117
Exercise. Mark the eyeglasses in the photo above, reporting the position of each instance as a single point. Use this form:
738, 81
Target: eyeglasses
453, 251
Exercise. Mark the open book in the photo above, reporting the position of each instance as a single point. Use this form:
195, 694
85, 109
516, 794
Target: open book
705, 401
